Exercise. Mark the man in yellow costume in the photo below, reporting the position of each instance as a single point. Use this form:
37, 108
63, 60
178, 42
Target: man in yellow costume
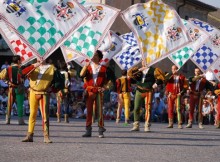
123, 87
41, 78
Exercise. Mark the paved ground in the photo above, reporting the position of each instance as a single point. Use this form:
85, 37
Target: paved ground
160, 145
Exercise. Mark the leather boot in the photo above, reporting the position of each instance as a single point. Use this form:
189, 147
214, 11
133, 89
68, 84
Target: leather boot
66, 118
147, 127
28, 138
135, 126
189, 125
88, 132
200, 125
180, 126
7, 120
58, 118
46, 137
101, 131
218, 124
170, 123
21, 121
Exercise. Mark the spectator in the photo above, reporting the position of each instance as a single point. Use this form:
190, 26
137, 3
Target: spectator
5, 65
158, 109
207, 108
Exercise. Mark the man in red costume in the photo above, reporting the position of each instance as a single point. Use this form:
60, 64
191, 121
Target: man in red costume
95, 80
176, 85
197, 84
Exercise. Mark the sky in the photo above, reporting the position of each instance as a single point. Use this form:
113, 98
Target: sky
214, 3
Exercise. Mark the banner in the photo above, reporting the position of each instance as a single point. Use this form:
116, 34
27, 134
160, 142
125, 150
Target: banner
115, 47
198, 36
43, 25
130, 55
87, 39
17, 46
210, 51
106, 43
158, 29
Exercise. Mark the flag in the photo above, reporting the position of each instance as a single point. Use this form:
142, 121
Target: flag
43, 25
130, 55
115, 47
106, 43
210, 50
87, 39
158, 29
17, 46
198, 36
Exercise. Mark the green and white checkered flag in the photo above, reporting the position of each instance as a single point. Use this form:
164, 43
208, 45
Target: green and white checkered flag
43, 25
87, 39
198, 36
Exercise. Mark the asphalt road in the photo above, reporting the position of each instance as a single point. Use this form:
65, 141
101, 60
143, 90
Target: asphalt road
119, 144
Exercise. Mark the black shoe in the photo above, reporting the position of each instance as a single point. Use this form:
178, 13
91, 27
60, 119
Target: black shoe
87, 134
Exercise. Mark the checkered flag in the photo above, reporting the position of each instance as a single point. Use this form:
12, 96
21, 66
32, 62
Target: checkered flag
198, 36
17, 46
209, 52
130, 55
87, 39
43, 27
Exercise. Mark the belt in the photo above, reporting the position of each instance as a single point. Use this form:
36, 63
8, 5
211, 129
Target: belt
92, 89
142, 90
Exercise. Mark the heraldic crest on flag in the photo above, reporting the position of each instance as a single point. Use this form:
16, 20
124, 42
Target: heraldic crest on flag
130, 55
87, 39
158, 29
198, 36
208, 53
38, 22
115, 47
106, 43
17, 46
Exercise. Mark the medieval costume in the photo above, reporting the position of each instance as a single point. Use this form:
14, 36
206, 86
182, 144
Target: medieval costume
41, 79
13, 76
145, 80
123, 88
176, 86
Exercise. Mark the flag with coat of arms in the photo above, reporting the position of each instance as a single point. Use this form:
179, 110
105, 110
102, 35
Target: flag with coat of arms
158, 29
17, 46
43, 25
209, 52
87, 39
198, 36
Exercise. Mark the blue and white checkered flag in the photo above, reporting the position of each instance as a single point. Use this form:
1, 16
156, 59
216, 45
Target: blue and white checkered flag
209, 52
130, 55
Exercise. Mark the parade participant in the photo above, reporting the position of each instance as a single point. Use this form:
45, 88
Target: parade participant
62, 95
146, 78
13, 76
123, 88
41, 76
95, 80
217, 92
176, 86
197, 84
